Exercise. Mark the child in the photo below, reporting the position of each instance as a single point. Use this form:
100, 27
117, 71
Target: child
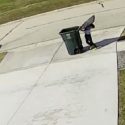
88, 37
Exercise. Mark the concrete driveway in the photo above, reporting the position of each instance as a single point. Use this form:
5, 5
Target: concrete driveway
40, 84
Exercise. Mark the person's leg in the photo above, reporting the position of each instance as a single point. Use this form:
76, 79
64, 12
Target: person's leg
90, 42
88, 39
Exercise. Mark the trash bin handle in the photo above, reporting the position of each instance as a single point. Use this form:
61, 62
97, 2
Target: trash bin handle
79, 28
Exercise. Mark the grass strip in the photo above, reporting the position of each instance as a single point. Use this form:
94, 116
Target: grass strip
122, 36
122, 97
16, 9
2, 55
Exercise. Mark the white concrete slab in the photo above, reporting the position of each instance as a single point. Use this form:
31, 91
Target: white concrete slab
7, 29
9, 104
57, 97
28, 58
83, 92
19, 80
14, 87
72, 90
41, 54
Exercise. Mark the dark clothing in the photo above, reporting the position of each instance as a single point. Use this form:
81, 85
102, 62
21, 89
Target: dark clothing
88, 39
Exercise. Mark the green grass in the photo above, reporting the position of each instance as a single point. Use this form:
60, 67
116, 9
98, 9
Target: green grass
122, 97
2, 55
16, 9
122, 36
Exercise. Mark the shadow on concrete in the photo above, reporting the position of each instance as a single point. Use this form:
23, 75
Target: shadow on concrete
103, 43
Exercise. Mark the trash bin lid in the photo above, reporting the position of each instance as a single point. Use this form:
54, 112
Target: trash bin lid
70, 29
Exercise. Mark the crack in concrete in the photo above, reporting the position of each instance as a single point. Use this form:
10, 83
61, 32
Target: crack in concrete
11, 30
35, 85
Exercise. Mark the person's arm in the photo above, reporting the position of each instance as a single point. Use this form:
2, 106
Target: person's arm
92, 25
80, 28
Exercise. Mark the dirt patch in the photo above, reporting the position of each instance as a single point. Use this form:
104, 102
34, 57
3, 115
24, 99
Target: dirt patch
2, 55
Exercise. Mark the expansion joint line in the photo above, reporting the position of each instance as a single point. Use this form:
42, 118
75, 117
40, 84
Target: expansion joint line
11, 30
117, 81
34, 86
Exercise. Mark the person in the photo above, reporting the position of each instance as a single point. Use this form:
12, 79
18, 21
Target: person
88, 37
101, 3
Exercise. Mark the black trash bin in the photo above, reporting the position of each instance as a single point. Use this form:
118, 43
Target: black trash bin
72, 40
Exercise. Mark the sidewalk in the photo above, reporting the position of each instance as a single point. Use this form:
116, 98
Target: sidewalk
34, 29
40, 84
69, 90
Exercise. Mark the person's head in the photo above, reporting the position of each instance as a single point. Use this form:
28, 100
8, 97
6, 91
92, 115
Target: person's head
92, 25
